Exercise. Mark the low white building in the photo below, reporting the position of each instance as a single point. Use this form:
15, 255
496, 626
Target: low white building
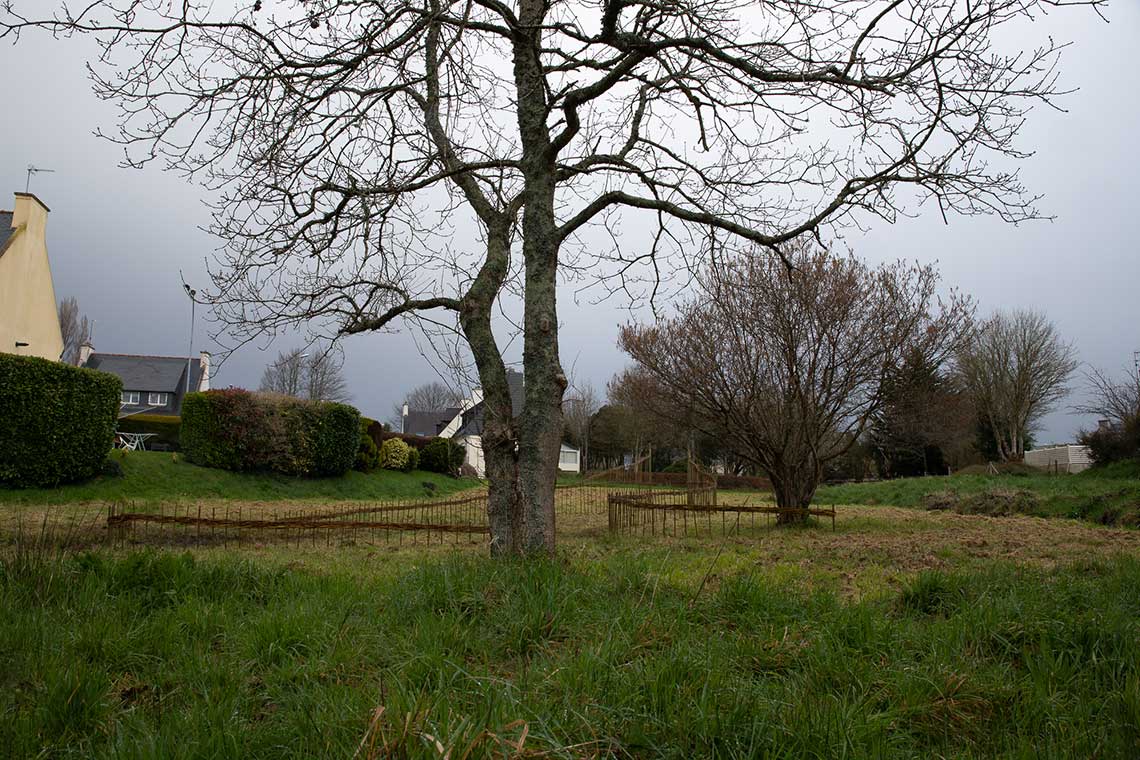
1069, 458
464, 425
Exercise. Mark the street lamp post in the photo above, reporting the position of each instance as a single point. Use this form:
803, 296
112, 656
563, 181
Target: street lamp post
190, 351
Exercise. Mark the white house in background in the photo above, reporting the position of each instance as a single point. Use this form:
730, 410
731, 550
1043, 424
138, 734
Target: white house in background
1069, 458
569, 459
464, 425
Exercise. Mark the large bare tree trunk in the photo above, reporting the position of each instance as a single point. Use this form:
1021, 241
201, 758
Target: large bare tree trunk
793, 488
540, 428
499, 437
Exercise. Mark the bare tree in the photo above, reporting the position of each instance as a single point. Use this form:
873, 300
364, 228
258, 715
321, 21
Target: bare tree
315, 375
1016, 368
789, 363
432, 396
578, 408
324, 378
75, 330
1117, 401
352, 147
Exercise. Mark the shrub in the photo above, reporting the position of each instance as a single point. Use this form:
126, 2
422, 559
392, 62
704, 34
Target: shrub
166, 428
367, 452
442, 455
415, 441
999, 502
234, 429
1112, 443
394, 454
57, 423
413, 460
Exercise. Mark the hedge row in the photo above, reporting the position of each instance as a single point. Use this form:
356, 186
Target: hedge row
440, 455
235, 429
57, 422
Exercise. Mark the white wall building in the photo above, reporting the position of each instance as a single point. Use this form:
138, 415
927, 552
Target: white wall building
1069, 458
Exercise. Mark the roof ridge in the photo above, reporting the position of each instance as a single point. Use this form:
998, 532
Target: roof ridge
144, 356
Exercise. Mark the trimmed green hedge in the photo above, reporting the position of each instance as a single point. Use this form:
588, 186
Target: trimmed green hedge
165, 427
442, 455
57, 422
235, 429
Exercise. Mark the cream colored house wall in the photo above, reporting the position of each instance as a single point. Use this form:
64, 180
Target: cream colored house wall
28, 309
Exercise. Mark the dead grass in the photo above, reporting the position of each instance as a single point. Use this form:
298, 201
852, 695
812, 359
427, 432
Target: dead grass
870, 552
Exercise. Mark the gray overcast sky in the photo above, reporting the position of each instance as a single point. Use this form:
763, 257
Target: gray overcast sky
118, 237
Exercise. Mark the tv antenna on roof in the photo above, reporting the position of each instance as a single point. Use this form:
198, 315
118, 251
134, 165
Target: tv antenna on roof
34, 170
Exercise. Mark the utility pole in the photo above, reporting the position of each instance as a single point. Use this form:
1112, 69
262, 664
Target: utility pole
190, 351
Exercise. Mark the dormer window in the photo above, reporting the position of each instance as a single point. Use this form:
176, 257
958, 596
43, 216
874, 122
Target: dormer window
158, 399
130, 398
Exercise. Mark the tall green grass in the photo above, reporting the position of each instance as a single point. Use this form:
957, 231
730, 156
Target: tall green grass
151, 475
1108, 495
164, 655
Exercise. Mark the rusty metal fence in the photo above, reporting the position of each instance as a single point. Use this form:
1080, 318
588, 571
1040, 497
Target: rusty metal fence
689, 512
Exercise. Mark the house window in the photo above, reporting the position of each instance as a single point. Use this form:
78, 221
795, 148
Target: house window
568, 457
157, 399
130, 397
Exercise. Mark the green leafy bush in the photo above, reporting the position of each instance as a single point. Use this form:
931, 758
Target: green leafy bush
442, 455
367, 452
394, 454
1113, 443
166, 428
413, 460
234, 429
57, 423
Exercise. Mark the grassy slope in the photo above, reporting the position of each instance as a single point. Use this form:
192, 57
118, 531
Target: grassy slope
1109, 494
163, 655
156, 476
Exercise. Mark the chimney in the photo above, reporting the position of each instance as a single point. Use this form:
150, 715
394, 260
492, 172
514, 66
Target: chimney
31, 214
85, 351
403, 418
204, 380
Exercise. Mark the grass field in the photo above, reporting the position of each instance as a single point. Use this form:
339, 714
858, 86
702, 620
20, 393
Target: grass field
151, 475
903, 633
1109, 496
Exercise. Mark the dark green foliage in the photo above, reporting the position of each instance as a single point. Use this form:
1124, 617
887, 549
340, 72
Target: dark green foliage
162, 655
921, 416
442, 455
930, 593
165, 428
368, 453
1113, 443
234, 429
57, 422
987, 446
413, 460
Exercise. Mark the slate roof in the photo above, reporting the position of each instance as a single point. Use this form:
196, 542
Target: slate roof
473, 418
148, 373
5, 228
428, 422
